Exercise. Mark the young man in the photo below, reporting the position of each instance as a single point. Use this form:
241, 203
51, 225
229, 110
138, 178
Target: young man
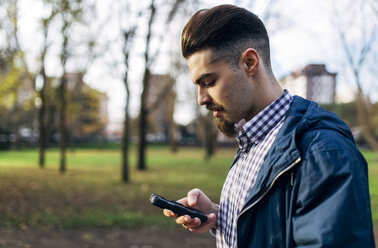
298, 179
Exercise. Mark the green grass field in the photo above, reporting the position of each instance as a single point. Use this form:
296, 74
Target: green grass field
372, 158
91, 194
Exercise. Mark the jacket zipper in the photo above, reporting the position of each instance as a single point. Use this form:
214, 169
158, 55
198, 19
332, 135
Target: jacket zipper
266, 191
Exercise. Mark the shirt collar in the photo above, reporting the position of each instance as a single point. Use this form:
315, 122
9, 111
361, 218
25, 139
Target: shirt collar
255, 130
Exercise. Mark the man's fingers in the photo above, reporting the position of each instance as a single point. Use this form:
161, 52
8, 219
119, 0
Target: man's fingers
169, 213
197, 199
193, 223
185, 219
204, 227
183, 201
193, 195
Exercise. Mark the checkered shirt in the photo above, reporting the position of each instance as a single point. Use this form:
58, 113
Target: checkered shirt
255, 139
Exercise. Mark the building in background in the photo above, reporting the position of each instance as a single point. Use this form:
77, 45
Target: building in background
313, 82
87, 110
161, 101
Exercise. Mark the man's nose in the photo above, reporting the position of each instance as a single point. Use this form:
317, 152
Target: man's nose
203, 96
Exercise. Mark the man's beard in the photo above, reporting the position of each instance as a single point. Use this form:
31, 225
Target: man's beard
226, 127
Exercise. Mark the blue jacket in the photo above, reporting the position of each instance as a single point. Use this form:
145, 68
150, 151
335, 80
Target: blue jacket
312, 189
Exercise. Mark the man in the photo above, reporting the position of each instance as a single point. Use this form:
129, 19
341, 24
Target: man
298, 179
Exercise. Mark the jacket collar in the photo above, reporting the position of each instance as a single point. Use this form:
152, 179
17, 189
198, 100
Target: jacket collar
303, 115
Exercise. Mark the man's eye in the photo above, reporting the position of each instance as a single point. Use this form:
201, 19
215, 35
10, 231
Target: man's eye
211, 83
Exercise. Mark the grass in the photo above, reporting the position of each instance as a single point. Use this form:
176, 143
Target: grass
372, 158
91, 194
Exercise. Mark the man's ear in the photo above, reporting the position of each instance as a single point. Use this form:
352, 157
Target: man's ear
250, 60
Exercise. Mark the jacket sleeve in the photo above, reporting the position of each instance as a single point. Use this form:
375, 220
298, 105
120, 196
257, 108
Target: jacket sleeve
332, 207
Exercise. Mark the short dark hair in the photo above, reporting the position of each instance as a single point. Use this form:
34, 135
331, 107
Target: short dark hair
228, 30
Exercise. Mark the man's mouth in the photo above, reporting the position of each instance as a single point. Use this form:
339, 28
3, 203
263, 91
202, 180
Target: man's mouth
216, 113
216, 110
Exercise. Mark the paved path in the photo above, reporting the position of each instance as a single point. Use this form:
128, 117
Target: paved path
107, 238
101, 237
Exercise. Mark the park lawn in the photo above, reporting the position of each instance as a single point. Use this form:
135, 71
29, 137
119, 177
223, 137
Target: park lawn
91, 194
372, 159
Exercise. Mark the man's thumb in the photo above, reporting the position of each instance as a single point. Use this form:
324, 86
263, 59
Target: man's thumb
193, 195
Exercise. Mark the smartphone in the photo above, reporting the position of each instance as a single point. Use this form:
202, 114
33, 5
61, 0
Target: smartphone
177, 208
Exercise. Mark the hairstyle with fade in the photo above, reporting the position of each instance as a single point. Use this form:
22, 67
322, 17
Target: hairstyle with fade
228, 30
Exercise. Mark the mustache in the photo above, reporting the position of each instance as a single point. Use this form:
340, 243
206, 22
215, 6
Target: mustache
214, 107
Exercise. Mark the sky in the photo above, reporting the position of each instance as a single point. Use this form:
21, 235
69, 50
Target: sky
303, 34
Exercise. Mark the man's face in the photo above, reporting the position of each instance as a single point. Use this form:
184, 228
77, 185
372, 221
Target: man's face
224, 90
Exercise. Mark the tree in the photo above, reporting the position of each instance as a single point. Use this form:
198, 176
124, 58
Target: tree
67, 22
128, 19
16, 101
143, 101
127, 35
149, 59
357, 29
45, 25
70, 13
17, 81
15, 69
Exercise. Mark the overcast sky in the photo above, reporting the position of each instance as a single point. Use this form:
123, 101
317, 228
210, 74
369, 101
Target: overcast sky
303, 34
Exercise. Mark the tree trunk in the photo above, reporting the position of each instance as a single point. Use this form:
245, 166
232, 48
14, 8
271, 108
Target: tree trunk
172, 125
41, 117
125, 145
126, 134
143, 106
143, 123
62, 96
62, 124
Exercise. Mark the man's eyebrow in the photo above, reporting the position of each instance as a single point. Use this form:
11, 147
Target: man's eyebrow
202, 77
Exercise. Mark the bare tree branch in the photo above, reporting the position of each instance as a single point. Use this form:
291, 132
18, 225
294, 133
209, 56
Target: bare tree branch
357, 50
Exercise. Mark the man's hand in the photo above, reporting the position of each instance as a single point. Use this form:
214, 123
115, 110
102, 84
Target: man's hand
196, 199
